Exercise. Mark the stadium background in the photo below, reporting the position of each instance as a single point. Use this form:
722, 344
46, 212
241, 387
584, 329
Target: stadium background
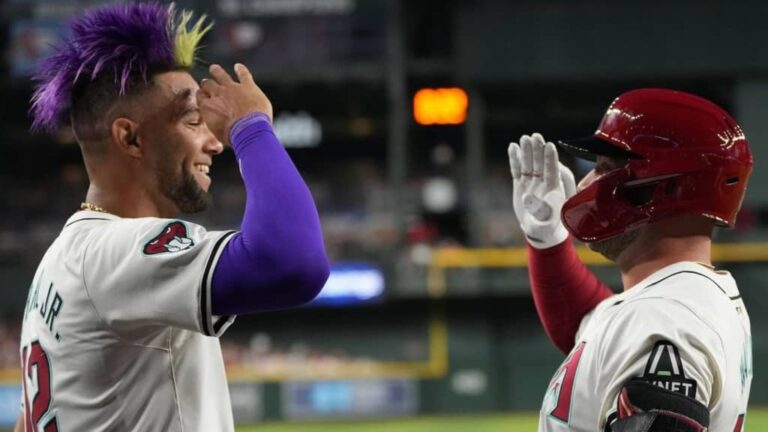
428, 310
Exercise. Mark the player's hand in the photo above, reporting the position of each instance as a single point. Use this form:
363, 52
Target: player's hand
223, 100
541, 184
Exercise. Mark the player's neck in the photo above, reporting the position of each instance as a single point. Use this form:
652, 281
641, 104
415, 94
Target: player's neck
122, 193
647, 256
128, 204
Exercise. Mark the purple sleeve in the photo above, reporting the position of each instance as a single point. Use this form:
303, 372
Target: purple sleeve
277, 260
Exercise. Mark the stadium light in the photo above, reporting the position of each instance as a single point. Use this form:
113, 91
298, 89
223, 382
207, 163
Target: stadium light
440, 106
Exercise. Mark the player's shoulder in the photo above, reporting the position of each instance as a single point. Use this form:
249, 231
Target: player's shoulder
77, 230
679, 299
95, 229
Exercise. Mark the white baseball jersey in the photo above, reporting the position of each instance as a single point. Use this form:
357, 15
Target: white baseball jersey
684, 328
118, 333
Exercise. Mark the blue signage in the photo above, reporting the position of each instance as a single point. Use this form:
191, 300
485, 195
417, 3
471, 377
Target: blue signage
10, 404
349, 398
351, 284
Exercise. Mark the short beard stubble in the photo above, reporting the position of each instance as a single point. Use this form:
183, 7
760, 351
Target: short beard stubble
183, 190
613, 247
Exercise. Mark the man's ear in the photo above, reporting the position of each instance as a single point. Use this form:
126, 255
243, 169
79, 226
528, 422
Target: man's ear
124, 133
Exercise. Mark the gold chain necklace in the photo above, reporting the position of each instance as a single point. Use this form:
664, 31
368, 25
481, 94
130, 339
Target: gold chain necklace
85, 205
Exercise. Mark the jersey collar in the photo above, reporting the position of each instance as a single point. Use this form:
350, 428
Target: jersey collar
89, 215
722, 278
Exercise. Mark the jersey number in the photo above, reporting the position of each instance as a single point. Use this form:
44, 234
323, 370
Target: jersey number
562, 410
37, 372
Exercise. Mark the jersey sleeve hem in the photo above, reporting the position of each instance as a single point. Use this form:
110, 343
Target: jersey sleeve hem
709, 355
212, 325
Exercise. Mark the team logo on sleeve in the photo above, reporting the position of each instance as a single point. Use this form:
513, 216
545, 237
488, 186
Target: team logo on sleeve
173, 239
665, 369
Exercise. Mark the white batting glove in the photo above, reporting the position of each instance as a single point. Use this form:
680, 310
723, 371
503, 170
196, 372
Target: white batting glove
541, 185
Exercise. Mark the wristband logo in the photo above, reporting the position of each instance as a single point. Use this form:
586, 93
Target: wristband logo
173, 239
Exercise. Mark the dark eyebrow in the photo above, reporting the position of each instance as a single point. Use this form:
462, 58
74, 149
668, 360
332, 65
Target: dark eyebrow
183, 100
183, 95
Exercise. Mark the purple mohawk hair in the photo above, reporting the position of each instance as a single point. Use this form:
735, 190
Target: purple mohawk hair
122, 39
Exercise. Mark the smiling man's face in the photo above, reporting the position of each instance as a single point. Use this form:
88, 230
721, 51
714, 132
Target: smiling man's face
180, 146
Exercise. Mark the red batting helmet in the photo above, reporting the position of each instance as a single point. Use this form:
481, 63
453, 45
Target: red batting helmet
685, 155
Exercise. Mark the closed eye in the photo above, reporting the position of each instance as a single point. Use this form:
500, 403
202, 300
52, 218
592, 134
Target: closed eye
191, 116
193, 119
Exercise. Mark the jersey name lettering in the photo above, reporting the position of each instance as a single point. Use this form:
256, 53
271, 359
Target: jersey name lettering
48, 302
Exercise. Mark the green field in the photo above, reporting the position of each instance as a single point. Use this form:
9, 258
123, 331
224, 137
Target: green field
757, 421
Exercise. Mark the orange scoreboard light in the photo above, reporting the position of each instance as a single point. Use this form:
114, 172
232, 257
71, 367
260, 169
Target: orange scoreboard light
440, 106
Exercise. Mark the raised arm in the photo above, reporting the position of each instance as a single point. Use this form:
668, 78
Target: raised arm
277, 259
564, 289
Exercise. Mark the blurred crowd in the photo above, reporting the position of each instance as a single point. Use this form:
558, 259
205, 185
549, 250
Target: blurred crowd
364, 218
262, 354
9, 344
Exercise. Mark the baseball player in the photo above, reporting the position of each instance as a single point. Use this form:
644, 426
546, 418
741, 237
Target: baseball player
122, 319
673, 351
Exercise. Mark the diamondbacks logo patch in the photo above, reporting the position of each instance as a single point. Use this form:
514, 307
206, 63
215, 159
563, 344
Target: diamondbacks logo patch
665, 369
173, 239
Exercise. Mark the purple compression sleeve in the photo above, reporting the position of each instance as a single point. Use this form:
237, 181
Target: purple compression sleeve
277, 260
